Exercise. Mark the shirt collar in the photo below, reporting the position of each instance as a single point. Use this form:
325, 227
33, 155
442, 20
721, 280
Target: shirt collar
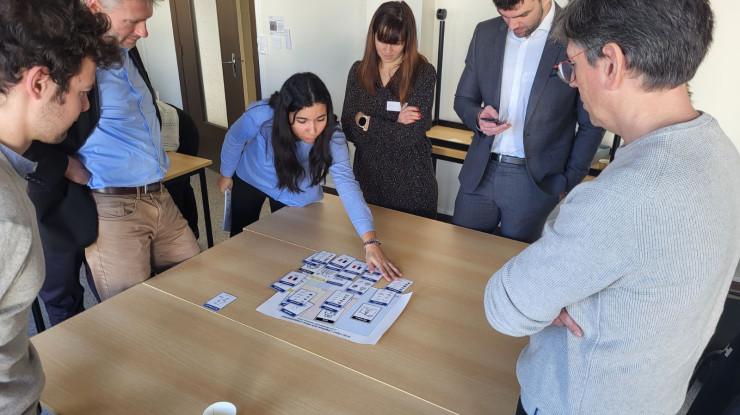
21, 164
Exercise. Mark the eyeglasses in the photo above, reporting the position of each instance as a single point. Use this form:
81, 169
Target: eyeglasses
566, 69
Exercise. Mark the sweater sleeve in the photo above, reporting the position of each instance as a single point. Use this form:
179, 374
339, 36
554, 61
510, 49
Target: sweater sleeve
244, 129
347, 187
351, 106
584, 250
422, 96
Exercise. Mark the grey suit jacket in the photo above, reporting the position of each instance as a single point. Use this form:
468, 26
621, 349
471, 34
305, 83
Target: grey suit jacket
557, 157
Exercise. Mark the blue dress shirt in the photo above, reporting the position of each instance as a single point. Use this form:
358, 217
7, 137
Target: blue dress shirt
125, 148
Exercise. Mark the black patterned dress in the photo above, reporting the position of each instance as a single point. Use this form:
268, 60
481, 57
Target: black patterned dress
393, 161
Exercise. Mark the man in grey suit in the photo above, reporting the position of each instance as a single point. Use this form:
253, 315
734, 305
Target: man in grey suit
517, 170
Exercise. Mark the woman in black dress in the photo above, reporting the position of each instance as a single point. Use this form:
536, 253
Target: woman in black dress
387, 111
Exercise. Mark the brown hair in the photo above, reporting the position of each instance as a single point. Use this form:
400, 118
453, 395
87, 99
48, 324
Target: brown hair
393, 22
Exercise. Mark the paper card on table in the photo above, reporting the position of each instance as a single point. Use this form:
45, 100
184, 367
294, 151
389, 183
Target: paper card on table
341, 261
359, 286
280, 287
346, 275
324, 257
301, 296
327, 316
356, 267
220, 301
325, 272
399, 285
339, 299
366, 312
309, 258
295, 309
227, 211
310, 267
341, 283
293, 278
382, 297
371, 276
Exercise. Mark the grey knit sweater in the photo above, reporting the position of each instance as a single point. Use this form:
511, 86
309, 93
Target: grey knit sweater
21, 276
642, 258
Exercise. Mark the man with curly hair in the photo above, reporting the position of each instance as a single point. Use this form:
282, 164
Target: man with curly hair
49, 50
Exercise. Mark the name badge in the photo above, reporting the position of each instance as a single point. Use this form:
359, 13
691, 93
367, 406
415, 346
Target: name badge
393, 106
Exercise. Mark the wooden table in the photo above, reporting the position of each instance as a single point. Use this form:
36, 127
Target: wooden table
440, 356
449, 144
148, 352
184, 165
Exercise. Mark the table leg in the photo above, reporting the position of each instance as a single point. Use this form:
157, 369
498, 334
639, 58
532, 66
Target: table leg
206, 208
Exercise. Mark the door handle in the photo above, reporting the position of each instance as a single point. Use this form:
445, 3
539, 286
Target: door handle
233, 62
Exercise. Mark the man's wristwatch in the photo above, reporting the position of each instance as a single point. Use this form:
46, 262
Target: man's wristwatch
363, 122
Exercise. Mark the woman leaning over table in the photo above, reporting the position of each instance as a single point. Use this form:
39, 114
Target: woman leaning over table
281, 149
387, 111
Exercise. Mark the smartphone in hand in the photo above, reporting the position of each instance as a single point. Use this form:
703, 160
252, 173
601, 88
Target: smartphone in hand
493, 120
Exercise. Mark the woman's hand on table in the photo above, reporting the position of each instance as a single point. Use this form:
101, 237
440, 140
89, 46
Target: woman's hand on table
376, 259
224, 183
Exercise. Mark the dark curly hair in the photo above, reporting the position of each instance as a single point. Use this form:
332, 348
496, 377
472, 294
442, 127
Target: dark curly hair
57, 34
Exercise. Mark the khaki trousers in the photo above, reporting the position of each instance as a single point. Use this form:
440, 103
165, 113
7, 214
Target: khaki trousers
136, 236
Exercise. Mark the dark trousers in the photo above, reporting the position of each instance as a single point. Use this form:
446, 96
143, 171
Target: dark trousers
506, 195
519, 409
246, 204
62, 293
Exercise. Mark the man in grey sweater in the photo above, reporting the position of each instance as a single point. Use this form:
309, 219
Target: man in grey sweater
49, 50
639, 261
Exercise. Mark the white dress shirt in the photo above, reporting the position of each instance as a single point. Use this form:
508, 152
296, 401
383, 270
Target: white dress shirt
521, 59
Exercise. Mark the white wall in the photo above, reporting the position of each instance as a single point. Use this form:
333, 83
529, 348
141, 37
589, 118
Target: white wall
158, 53
328, 36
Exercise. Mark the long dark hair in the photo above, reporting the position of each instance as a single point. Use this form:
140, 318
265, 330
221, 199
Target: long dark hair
393, 22
301, 90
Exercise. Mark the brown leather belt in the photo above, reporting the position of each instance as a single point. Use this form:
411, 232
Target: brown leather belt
503, 158
126, 191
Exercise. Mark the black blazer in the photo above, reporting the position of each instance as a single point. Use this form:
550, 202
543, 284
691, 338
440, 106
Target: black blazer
66, 212
557, 157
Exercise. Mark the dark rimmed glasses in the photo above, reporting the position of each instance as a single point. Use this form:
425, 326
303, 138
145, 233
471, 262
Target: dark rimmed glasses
566, 69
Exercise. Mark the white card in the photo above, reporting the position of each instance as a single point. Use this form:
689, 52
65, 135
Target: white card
393, 106
327, 316
220, 301
356, 267
382, 297
280, 287
346, 275
360, 286
341, 261
301, 296
293, 278
310, 267
366, 313
309, 258
371, 276
325, 273
341, 283
399, 285
324, 257
294, 309
339, 299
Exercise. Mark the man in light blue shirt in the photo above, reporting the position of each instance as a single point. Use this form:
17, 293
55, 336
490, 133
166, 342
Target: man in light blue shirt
140, 228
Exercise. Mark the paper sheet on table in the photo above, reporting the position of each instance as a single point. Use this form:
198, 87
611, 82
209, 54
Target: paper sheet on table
227, 211
344, 327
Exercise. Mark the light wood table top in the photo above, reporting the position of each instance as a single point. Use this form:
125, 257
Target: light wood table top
441, 349
181, 164
453, 135
147, 352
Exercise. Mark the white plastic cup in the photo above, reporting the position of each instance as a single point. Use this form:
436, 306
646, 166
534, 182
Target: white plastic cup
220, 408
